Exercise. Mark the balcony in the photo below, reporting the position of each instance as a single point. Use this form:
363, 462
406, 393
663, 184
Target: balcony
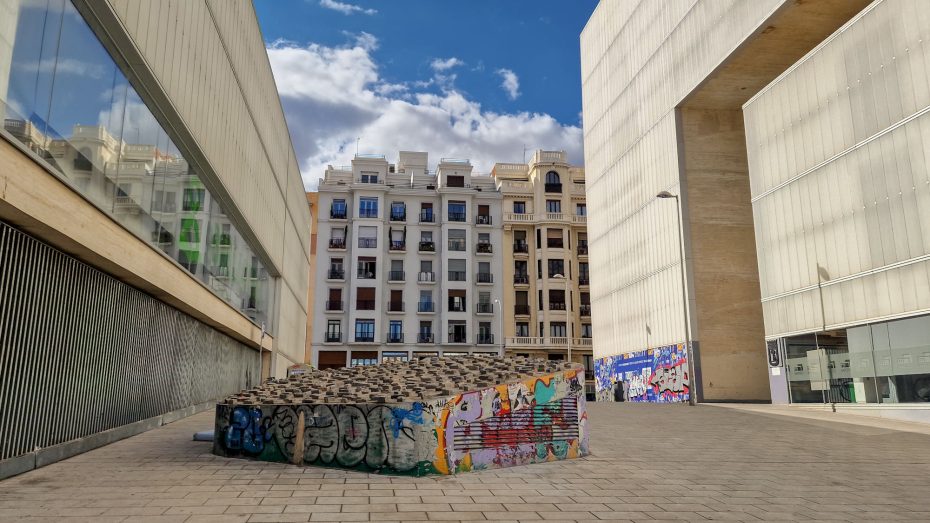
338, 214
426, 306
582, 247
396, 337
457, 307
521, 309
397, 246
368, 213
334, 306
521, 248
485, 277
427, 217
484, 248
333, 337
427, 247
580, 219
395, 306
396, 276
555, 244
554, 187
521, 279
398, 216
457, 337
456, 245
425, 337
426, 277
336, 274
457, 276
519, 217
365, 305
553, 217
484, 308
368, 243
483, 219
584, 280
364, 338
456, 216
365, 275
485, 339
556, 305
585, 309
337, 243
549, 342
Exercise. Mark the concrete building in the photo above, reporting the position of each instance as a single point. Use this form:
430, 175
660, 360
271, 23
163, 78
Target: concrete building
411, 265
548, 307
791, 134
142, 275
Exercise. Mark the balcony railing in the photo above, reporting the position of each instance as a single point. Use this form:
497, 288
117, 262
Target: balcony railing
585, 309
555, 244
531, 341
365, 275
521, 309
333, 337
554, 187
338, 214
395, 306
425, 337
334, 305
368, 213
521, 279
427, 217
457, 307
582, 247
484, 248
457, 276
335, 274
398, 216
584, 280
364, 338
398, 245
457, 338
456, 217
556, 305
365, 305
521, 247
485, 339
456, 245
368, 243
337, 243
485, 277
484, 308
580, 218
426, 277
395, 337
426, 306
483, 219
427, 247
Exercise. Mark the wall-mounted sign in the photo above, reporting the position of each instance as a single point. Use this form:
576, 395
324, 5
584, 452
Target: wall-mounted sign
773, 353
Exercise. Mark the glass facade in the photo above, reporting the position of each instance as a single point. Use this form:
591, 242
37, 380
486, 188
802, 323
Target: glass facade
886, 362
68, 102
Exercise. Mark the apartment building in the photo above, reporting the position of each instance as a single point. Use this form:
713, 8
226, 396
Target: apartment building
547, 302
141, 276
409, 263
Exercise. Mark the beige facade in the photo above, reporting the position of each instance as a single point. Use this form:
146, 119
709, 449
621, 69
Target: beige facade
547, 306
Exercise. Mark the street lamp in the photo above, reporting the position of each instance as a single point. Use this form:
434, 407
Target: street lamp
692, 379
500, 316
568, 331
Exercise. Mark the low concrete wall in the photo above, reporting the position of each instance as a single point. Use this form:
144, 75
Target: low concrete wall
535, 420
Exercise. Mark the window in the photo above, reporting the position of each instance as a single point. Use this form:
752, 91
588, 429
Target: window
457, 332
334, 303
519, 207
367, 267
556, 267
364, 357
398, 211
334, 331
455, 181
554, 206
425, 334
338, 210
485, 335
457, 270
365, 330
484, 215
456, 239
583, 277
395, 332
193, 200
519, 242
557, 329
189, 259
553, 177
457, 211
522, 329
556, 300
369, 177
585, 330
520, 273
337, 238
426, 213
397, 271
394, 356
484, 273
368, 208
581, 209
554, 238
190, 230
368, 237
457, 300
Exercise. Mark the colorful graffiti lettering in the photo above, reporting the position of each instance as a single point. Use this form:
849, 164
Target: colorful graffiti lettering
541, 419
658, 375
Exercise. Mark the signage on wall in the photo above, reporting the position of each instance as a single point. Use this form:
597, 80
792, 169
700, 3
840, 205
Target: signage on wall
773, 353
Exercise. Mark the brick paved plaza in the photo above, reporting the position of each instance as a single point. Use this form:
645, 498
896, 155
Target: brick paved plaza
649, 463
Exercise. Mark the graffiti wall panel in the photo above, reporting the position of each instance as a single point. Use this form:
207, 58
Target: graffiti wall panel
470, 431
658, 375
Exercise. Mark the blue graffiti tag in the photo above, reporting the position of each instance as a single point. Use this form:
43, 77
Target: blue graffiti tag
246, 431
399, 415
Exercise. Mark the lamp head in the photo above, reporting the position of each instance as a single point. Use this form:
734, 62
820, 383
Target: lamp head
665, 194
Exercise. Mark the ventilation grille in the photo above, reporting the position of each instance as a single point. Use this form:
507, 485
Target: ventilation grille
557, 421
82, 352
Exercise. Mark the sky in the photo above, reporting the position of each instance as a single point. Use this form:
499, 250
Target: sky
476, 79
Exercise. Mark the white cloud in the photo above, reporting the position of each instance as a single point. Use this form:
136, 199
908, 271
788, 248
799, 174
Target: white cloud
346, 8
439, 64
333, 95
510, 83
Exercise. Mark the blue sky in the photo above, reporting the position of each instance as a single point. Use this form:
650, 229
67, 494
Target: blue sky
477, 79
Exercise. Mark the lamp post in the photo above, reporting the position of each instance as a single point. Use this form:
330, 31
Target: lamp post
500, 317
692, 379
568, 330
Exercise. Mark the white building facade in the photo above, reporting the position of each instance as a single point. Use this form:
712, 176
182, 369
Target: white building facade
409, 263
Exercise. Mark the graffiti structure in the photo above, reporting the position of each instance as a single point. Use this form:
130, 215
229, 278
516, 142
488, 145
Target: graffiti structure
658, 375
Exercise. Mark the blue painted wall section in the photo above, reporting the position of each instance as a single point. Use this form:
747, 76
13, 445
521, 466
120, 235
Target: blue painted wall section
657, 375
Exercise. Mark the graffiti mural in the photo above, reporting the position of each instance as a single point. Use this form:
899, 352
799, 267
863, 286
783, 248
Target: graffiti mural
539, 419
658, 375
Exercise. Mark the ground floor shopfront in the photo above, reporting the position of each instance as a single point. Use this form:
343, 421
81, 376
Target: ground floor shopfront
880, 369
